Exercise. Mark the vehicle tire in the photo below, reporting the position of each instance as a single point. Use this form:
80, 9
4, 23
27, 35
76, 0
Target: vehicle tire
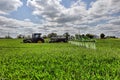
27, 41
39, 41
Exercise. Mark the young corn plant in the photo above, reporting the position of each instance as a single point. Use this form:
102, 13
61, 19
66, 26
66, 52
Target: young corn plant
90, 45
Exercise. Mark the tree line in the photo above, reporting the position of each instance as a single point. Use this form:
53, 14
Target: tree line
76, 36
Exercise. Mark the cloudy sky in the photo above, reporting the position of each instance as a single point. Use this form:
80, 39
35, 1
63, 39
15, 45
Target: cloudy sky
60, 16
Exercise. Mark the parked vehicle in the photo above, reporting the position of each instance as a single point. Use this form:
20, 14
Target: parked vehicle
36, 38
58, 39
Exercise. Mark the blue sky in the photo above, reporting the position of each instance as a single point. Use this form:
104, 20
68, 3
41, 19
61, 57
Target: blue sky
25, 12
46, 16
67, 3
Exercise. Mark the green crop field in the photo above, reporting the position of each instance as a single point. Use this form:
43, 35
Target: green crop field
59, 61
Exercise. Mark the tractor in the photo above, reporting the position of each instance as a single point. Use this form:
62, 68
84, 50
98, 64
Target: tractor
36, 38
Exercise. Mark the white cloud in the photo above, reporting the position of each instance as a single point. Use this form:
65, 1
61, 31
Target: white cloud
28, 20
7, 6
104, 7
78, 16
57, 18
115, 21
16, 26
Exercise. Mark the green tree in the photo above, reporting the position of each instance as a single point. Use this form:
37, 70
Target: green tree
8, 37
78, 36
52, 35
44, 36
67, 35
102, 35
91, 36
20, 36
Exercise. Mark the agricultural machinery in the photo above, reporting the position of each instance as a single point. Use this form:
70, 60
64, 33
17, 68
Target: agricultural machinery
36, 38
58, 39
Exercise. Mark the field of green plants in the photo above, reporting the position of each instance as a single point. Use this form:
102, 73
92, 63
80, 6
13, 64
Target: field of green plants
59, 61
